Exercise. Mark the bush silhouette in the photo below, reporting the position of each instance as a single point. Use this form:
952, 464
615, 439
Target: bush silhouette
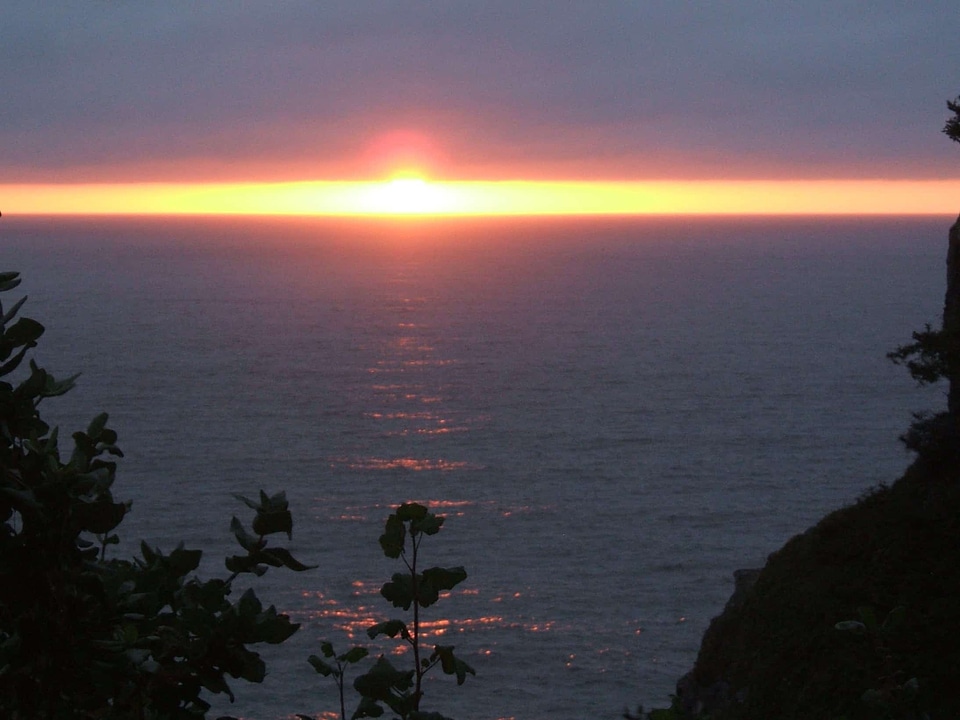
87, 636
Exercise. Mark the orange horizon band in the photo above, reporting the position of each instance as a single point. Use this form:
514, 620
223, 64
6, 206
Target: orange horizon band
414, 196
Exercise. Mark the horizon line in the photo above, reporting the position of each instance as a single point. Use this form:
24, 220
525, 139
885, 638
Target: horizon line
419, 197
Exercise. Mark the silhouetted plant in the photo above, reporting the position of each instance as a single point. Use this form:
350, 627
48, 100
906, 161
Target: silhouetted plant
384, 684
934, 355
929, 358
336, 671
84, 636
952, 126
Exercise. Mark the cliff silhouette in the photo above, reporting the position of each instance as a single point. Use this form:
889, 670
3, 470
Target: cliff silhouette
858, 617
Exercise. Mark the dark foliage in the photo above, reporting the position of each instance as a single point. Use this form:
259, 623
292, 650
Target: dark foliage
929, 358
933, 437
384, 684
952, 126
87, 637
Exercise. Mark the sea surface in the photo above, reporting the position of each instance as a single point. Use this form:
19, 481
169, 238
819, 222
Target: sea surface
612, 414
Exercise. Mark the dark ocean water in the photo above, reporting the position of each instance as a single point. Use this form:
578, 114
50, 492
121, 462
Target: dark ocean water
614, 415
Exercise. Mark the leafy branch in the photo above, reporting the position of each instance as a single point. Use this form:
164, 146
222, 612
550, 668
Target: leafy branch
384, 684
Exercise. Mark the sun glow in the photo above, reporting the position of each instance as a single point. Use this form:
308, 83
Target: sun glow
409, 195
405, 196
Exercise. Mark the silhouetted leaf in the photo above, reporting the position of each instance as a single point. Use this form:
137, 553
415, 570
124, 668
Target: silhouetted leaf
23, 332
411, 512
99, 517
55, 388
244, 564
354, 655
184, 561
252, 667
9, 315
394, 536
247, 542
383, 682
249, 605
399, 591
249, 503
273, 627
9, 280
391, 628
435, 580
13, 363
429, 524
284, 558
96, 426
270, 521
321, 667
452, 665
367, 708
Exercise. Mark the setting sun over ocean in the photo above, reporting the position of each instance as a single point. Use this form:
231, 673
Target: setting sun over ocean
609, 285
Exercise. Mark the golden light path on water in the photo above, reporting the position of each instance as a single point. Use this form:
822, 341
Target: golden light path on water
403, 407
410, 408
412, 427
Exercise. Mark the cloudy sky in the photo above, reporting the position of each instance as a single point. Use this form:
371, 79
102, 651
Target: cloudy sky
518, 89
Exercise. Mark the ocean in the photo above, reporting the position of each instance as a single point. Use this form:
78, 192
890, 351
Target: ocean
612, 414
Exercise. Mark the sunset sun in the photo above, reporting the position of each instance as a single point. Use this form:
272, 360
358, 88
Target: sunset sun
405, 195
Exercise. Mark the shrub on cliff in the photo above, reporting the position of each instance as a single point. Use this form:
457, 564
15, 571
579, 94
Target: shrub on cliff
952, 127
934, 355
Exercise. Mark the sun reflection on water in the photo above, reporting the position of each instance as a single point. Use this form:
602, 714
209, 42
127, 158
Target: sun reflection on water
354, 619
454, 508
410, 399
413, 420
364, 608
401, 463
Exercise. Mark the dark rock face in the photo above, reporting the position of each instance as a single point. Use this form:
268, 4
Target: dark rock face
774, 651
703, 700
951, 314
699, 700
743, 580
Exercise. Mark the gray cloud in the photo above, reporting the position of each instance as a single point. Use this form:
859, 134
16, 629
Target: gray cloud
598, 89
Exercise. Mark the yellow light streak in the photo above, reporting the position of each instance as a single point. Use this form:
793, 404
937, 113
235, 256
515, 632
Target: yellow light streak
413, 196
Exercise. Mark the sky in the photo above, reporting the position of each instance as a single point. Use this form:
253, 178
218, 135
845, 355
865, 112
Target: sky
526, 90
